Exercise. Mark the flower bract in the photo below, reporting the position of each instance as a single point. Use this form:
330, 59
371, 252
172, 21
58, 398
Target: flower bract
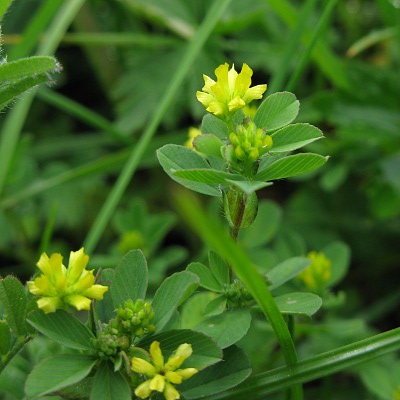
61, 287
163, 375
230, 92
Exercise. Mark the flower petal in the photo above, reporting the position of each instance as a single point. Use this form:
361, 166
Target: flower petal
170, 393
49, 304
187, 373
173, 377
156, 355
78, 261
254, 93
143, 390
157, 383
143, 367
78, 301
95, 292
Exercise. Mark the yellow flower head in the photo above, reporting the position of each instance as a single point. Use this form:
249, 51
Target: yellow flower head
162, 376
318, 273
60, 287
230, 92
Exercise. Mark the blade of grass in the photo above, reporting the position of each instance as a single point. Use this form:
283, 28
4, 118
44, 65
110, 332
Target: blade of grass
193, 49
120, 39
48, 229
293, 42
258, 386
328, 62
372, 39
4, 4
106, 164
84, 114
310, 46
38, 23
215, 236
15, 120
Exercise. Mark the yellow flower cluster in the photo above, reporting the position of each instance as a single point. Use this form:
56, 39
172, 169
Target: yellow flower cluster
60, 287
162, 376
318, 273
230, 92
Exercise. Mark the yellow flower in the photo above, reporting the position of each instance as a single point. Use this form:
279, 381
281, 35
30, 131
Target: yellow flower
193, 132
162, 376
60, 287
231, 92
318, 273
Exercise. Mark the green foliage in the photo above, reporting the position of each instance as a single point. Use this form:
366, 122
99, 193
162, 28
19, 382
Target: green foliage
80, 166
130, 278
108, 384
62, 327
57, 372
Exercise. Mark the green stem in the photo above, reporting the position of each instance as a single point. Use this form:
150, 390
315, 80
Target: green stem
285, 63
14, 351
214, 235
129, 169
310, 46
259, 386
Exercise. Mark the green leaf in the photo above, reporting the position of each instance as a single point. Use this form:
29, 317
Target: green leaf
249, 186
175, 158
4, 4
104, 309
291, 166
219, 268
171, 294
218, 378
209, 176
23, 67
264, 227
9, 91
293, 137
5, 338
57, 372
215, 126
339, 255
299, 303
287, 270
276, 111
208, 144
216, 306
192, 311
205, 351
226, 328
109, 385
207, 279
14, 300
130, 279
63, 328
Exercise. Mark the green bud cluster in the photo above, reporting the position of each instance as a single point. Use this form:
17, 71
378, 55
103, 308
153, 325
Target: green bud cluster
131, 322
110, 342
237, 295
134, 318
249, 142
